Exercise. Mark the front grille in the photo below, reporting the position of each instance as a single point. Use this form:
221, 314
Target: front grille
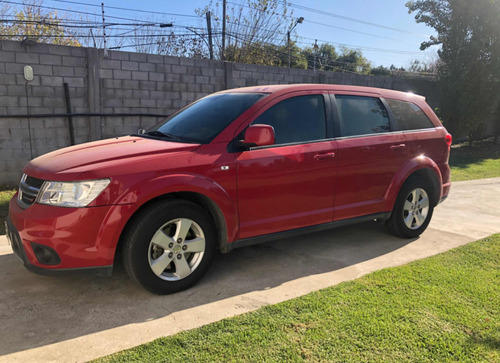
28, 190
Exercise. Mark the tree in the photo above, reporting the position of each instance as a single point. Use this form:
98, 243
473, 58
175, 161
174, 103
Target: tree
43, 26
326, 55
351, 60
469, 67
253, 29
380, 71
148, 39
419, 66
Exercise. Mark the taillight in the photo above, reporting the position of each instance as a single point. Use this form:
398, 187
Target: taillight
448, 140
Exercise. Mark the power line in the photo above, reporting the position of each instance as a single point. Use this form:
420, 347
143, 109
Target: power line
322, 12
74, 11
300, 7
90, 36
365, 48
125, 9
336, 27
64, 24
359, 32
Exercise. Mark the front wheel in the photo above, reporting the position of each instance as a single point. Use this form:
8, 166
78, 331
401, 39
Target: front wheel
169, 246
412, 211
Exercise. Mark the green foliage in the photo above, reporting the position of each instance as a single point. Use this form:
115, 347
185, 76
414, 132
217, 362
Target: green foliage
326, 56
469, 71
267, 54
440, 309
418, 66
328, 59
5, 197
380, 71
351, 60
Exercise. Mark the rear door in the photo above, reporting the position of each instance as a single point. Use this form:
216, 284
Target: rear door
421, 134
290, 184
370, 152
423, 138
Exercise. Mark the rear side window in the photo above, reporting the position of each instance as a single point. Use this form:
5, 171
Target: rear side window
361, 115
296, 119
408, 115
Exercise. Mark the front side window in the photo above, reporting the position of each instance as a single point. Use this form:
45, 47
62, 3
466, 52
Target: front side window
201, 121
408, 115
296, 119
360, 115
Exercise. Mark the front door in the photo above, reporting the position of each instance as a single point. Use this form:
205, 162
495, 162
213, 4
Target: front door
290, 184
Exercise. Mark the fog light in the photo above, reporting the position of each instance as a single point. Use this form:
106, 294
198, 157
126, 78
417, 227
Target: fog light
45, 255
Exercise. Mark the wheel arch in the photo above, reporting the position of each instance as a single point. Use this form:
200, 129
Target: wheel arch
420, 167
197, 198
202, 191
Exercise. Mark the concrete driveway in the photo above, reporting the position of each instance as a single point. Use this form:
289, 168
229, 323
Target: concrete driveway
76, 319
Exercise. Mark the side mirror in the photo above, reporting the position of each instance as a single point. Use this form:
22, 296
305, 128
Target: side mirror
258, 135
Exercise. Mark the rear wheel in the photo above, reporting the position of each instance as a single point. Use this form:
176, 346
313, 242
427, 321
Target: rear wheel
413, 209
169, 246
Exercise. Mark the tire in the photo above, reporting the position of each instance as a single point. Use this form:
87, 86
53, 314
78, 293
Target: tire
413, 209
169, 246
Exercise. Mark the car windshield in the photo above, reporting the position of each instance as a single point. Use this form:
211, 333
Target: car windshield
203, 120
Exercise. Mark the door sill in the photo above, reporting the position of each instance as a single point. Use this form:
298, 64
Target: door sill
305, 230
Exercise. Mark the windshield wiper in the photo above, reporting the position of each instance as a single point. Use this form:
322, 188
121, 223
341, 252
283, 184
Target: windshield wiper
163, 134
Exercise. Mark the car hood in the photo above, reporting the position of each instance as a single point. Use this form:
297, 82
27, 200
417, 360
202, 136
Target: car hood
80, 160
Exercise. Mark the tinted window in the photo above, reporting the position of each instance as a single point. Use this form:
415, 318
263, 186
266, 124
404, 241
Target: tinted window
408, 115
296, 119
361, 115
206, 118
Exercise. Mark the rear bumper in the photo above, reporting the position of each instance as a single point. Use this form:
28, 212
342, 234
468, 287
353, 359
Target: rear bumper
445, 191
53, 240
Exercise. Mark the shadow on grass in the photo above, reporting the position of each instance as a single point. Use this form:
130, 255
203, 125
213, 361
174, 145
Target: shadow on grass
462, 155
488, 341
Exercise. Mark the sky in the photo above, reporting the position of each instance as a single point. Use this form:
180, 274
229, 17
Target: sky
395, 41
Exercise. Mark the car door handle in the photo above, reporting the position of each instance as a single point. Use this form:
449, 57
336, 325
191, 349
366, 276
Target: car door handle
399, 146
324, 156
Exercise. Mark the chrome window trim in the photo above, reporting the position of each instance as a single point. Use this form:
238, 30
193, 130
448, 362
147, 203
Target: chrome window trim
291, 144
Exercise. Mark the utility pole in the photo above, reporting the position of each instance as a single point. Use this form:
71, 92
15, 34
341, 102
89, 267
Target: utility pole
288, 46
209, 28
298, 21
224, 30
104, 32
315, 50
93, 38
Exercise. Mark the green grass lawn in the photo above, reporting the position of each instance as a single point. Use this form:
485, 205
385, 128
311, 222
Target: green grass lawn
479, 162
443, 308
5, 196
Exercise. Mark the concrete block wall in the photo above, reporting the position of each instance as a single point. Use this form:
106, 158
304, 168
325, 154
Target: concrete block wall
52, 66
123, 82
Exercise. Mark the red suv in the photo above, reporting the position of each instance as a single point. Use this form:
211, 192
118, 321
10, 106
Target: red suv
234, 168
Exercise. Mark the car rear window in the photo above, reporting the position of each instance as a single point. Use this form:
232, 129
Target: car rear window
360, 115
408, 115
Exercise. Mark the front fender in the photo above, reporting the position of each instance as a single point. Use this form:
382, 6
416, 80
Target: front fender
144, 191
407, 169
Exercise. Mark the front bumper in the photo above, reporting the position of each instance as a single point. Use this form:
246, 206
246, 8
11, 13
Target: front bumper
17, 246
82, 239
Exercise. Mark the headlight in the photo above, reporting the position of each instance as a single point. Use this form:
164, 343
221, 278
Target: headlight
74, 194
